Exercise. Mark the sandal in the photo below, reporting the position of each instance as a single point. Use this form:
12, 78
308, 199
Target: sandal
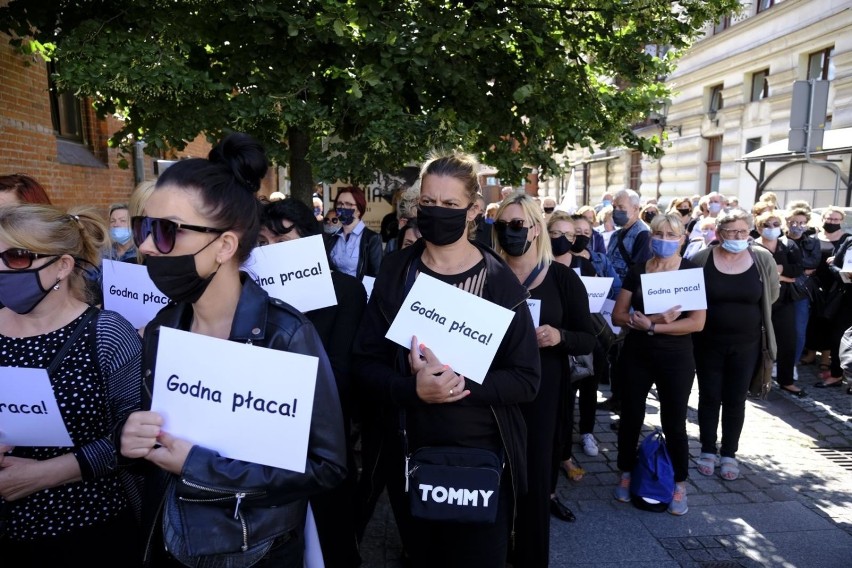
730, 469
707, 464
572, 469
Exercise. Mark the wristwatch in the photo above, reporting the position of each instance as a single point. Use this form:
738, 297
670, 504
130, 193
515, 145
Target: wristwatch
651, 329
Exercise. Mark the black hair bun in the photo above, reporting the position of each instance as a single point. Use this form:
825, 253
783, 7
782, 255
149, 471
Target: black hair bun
244, 156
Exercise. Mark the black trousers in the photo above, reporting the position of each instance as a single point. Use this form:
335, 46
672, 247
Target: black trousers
724, 368
673, 371
784, 324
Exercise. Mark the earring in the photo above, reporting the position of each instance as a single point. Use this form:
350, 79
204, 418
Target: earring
56, 286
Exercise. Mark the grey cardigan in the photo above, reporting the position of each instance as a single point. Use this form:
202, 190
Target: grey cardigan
771, 286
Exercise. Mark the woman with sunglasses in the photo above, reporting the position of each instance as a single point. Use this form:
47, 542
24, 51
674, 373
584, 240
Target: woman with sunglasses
565, 328
199, 226
742, 284
354, 249
788, 260
438, 406
66, 505
657, 351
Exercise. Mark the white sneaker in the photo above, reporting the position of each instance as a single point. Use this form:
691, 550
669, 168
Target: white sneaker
590, 446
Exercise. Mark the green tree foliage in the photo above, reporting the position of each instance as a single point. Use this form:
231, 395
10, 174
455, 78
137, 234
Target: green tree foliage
343, 89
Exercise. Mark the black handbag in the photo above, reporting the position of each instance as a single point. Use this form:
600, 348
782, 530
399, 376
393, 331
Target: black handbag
581, 367
452, 483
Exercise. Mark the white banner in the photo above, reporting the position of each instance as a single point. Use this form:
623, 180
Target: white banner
295, 272
462, 330
597, 289
129, 291
245, 402
29, 415
664, 290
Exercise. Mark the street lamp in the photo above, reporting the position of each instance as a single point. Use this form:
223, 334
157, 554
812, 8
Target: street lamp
660, 118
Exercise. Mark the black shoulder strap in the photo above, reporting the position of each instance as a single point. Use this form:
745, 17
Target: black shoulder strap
536, 271
90, 312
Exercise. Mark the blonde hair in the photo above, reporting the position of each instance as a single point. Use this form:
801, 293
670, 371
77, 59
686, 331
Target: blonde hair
136, 205
761, 219
80, 233
534, 215
671, 220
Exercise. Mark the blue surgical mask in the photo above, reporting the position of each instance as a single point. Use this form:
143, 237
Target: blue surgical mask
771, 233
120, 234
620, 217
735, 246
663, 248
797, 231
714, 207
606, 202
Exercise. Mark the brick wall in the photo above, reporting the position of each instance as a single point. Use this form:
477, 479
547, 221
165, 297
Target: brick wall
28, 144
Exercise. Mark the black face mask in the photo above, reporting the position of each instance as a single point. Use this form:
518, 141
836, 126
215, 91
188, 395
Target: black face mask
648, 216
513, 241
580, 243
177, 277
560, 245
21, 290
441, 225
830, 227
478, 219
549, 210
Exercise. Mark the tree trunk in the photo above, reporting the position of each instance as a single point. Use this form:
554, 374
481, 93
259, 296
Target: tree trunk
301, 175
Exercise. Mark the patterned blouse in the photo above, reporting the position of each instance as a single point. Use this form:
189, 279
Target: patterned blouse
96, 385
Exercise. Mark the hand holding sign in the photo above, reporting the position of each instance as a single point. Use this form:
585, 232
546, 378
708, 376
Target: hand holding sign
670, 314
436, 383
139, 435
170, 454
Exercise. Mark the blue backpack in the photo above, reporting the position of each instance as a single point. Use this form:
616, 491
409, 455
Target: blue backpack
652, 481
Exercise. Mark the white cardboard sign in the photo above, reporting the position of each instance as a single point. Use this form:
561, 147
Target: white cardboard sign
664, 290
129, 291
535, 310
606, 312
847, 262
245, 402
29, 415
368, 282
597, 289
295, 272
463, 330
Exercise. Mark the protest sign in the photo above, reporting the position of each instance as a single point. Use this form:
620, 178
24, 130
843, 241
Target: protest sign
462, 330
29, 414
664, 290
245, 402
535, 310
129, 291
295, 272
597, 289
368, 282
606, 312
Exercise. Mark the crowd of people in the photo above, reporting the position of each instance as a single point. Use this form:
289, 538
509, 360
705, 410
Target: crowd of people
128, 488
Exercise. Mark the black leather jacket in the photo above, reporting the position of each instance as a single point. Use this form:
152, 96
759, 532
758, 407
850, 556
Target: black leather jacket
370, 252
211, 489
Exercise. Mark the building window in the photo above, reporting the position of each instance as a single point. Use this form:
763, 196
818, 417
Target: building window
716, 102
714, 163
722, 24
64, 110
821, 64
635, 171
753, 144
763, 5
760, 85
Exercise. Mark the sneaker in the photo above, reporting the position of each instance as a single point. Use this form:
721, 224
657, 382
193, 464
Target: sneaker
622, 490
795, 374
590, 446
678, 505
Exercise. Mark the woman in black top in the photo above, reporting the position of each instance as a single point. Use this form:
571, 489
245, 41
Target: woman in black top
657, 350
788, 260
564, 328
438, 406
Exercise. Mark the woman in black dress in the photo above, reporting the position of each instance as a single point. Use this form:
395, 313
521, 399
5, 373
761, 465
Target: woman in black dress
565, 328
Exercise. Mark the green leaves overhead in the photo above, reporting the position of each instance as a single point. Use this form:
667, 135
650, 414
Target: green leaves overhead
375, 84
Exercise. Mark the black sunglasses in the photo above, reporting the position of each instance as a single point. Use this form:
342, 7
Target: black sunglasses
331, 221
20, 259
163, 231
514, 224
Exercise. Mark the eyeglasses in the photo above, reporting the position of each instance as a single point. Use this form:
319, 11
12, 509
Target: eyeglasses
833, 220
162, 231
733, 233
514, 224
343, 205
557, 234
331, 221
798, 224
20, 259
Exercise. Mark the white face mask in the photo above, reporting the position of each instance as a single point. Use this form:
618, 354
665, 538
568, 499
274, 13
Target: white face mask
771, 233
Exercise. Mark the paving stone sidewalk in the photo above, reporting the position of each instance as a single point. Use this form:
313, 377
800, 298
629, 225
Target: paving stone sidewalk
791, 506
